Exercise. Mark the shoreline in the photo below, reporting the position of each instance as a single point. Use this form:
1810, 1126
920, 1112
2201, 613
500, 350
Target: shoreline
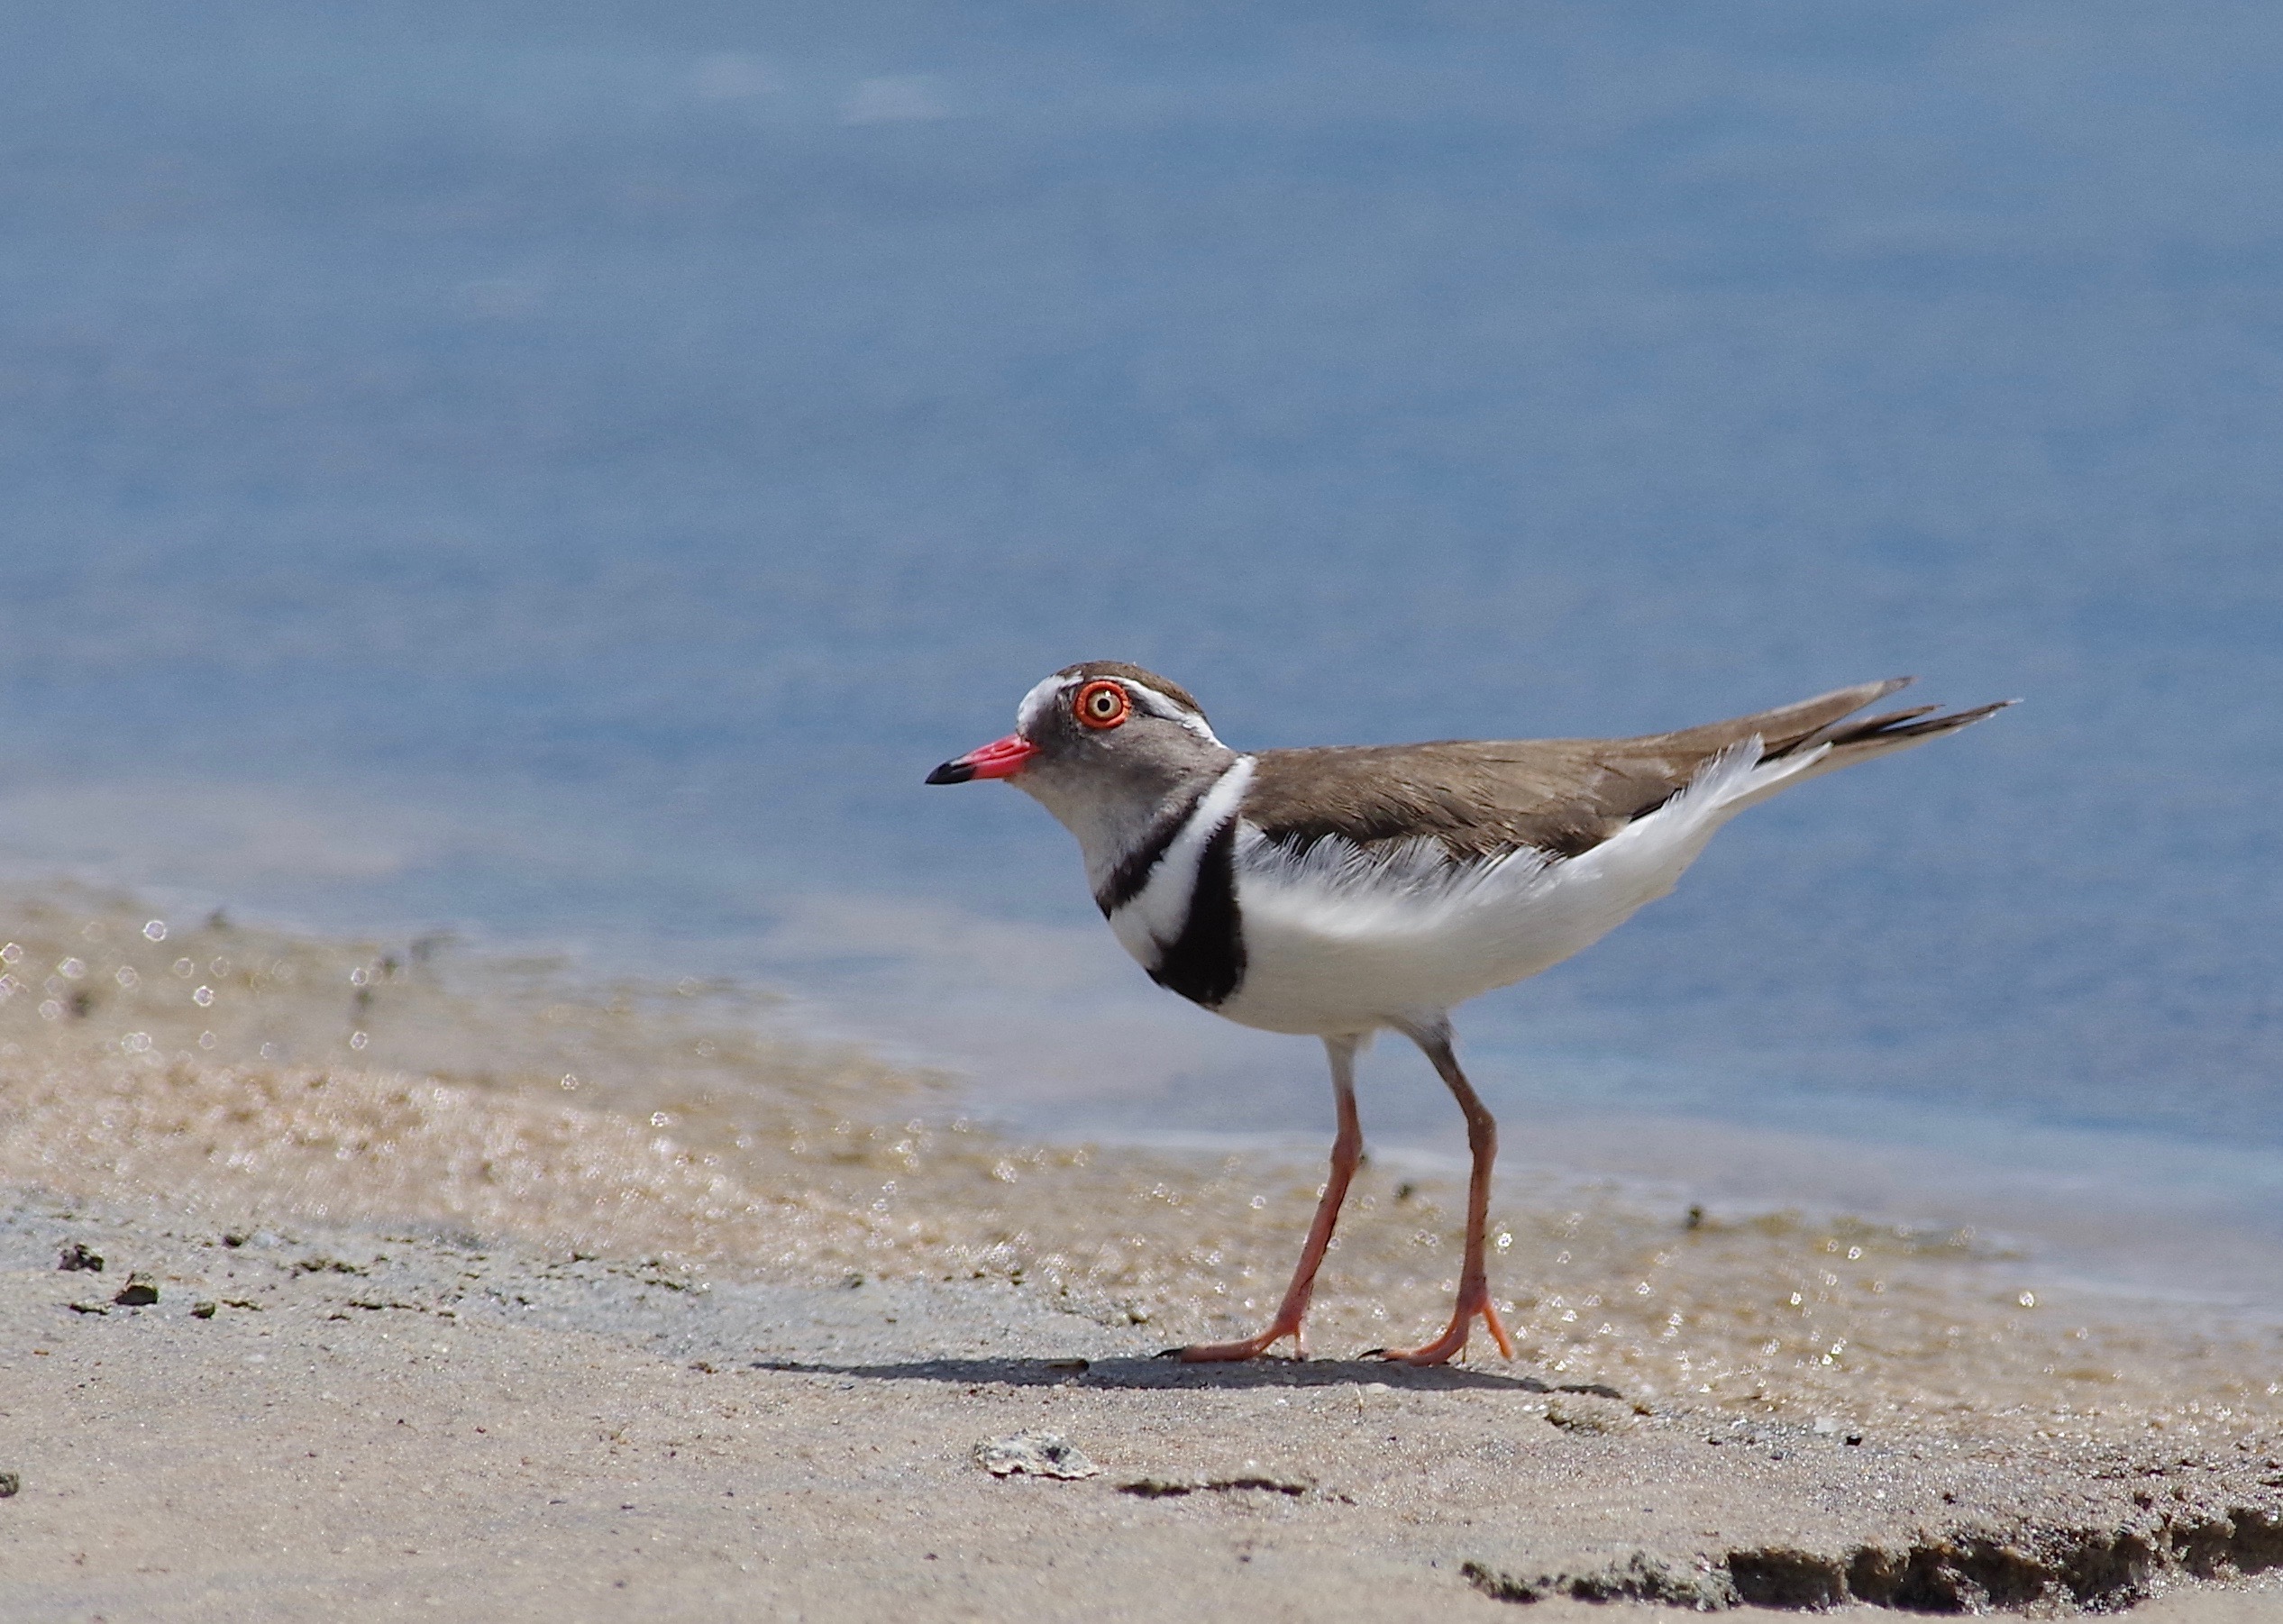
478, 1015
2176, 1278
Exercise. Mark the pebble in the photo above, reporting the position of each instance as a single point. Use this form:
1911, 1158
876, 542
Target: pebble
1579, 1412
140, 1292
1034, 1454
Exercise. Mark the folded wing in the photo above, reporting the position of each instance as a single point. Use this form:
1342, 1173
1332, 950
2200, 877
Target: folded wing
1486, 797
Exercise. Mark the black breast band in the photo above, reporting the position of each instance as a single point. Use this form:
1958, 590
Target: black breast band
1206, 962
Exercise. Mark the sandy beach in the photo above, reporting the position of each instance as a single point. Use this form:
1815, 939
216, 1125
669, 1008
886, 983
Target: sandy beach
453, 1288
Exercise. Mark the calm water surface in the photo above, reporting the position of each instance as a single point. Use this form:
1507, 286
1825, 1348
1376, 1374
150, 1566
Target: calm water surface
564, 473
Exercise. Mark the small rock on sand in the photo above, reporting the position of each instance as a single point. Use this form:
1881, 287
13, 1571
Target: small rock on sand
1034, 1454
10, 1485
1581, 1412
140, 1292
78, 1255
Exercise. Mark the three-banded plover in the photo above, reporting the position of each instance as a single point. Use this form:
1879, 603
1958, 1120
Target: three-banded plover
1337, 891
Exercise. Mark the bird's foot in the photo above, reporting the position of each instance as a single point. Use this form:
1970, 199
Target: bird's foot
1251, 1347
1473, 1300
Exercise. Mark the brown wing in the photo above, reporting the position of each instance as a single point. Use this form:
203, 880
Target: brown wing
1486, 797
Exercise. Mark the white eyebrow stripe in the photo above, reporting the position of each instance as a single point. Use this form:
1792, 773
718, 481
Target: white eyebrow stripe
1158, 705
1035, 703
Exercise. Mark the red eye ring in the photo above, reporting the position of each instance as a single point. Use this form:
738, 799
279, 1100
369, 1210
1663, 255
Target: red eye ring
1102, 705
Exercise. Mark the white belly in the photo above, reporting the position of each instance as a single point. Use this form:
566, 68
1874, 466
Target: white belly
1340, 941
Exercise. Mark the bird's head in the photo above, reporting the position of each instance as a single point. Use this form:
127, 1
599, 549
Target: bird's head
1099, 742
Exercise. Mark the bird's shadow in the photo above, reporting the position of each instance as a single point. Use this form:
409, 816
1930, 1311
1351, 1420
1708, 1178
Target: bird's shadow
1171, 1373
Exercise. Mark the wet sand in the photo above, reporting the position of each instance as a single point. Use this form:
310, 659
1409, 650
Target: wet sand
525, 1292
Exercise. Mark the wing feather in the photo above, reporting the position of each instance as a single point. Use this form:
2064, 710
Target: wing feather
1483, 798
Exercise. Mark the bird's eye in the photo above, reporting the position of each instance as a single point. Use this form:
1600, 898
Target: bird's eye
1103, 703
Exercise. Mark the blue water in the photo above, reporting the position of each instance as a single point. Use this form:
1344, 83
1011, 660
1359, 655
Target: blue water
565, 473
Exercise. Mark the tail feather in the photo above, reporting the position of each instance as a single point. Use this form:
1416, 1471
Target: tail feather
1800, 725
1850, 742
1837, 735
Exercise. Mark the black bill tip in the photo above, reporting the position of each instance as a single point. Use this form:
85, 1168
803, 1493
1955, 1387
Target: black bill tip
952, 772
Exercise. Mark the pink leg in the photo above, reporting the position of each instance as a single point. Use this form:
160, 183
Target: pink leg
1348, 1150
1474, 1279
